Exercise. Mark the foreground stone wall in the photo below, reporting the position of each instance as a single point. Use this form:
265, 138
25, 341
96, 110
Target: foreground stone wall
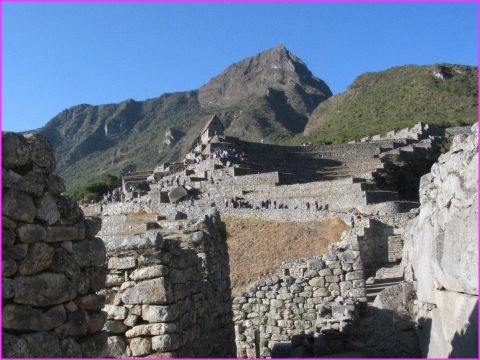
441, 253
314, 296
52, 264
168, 292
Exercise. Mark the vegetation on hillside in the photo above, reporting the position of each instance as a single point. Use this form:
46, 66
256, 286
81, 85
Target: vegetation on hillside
95, 189
394, 99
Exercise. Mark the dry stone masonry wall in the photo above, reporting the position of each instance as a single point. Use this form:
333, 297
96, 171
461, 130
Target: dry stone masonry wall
52, 264
320, 296
168, 292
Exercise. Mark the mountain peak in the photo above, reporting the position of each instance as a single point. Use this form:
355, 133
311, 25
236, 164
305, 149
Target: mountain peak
275, 68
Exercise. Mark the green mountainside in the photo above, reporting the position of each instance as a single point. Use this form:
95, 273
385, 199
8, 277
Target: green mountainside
270, 96
445, 95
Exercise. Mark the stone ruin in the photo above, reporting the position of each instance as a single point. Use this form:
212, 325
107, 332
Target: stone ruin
168, 292
52, 263
163, 283
320, 296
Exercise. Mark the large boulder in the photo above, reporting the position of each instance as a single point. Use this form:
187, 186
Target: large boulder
441, 245
177, 194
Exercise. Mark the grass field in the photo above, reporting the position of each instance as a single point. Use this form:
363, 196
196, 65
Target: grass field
257, 247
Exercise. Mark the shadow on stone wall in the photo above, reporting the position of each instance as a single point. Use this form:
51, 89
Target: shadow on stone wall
465, 344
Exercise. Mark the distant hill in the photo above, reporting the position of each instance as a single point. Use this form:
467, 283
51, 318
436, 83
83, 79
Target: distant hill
270, 96
442, 94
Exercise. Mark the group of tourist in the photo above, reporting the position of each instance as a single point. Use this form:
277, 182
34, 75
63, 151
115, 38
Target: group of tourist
317, 206
236, 204
269, 204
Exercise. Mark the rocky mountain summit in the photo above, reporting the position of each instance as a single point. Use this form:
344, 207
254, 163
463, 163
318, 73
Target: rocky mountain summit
275, 69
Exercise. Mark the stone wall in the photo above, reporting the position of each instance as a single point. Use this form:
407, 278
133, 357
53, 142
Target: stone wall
168, 292
316, 296
441, 253
52, 264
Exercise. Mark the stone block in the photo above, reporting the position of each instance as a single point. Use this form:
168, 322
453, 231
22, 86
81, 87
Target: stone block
155, 291
9, 267
95, 346
55, 185
332, 278
317, 281
115, 312
95, 321
113, 280
39, 257
355, 275
322, 292
65, 263
8, 237
167, 342
8, 290
90, 302
177, 194
325, 272
132, 320
15, 151
16, 252
116, 347
76, 324
63, 233
26, 318
70, 348
41, 152
115, 327
13, 346
140, 346
152, 329
47, 210
89, 252
159, 313
92, 226
18, 205
44, 289
315, 264
149, 272
121, 263
42, 345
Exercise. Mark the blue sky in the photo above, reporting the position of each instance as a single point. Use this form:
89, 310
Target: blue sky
56, 55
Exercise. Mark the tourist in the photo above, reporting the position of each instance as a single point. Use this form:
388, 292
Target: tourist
274, 204
352, 221
316, 205
307, 205
226, 202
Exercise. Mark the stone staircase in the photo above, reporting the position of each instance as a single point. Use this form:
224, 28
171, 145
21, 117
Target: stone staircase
389, 275
129, 224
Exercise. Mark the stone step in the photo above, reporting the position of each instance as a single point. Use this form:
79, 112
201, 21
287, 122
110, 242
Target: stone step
130, 228
135, 218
